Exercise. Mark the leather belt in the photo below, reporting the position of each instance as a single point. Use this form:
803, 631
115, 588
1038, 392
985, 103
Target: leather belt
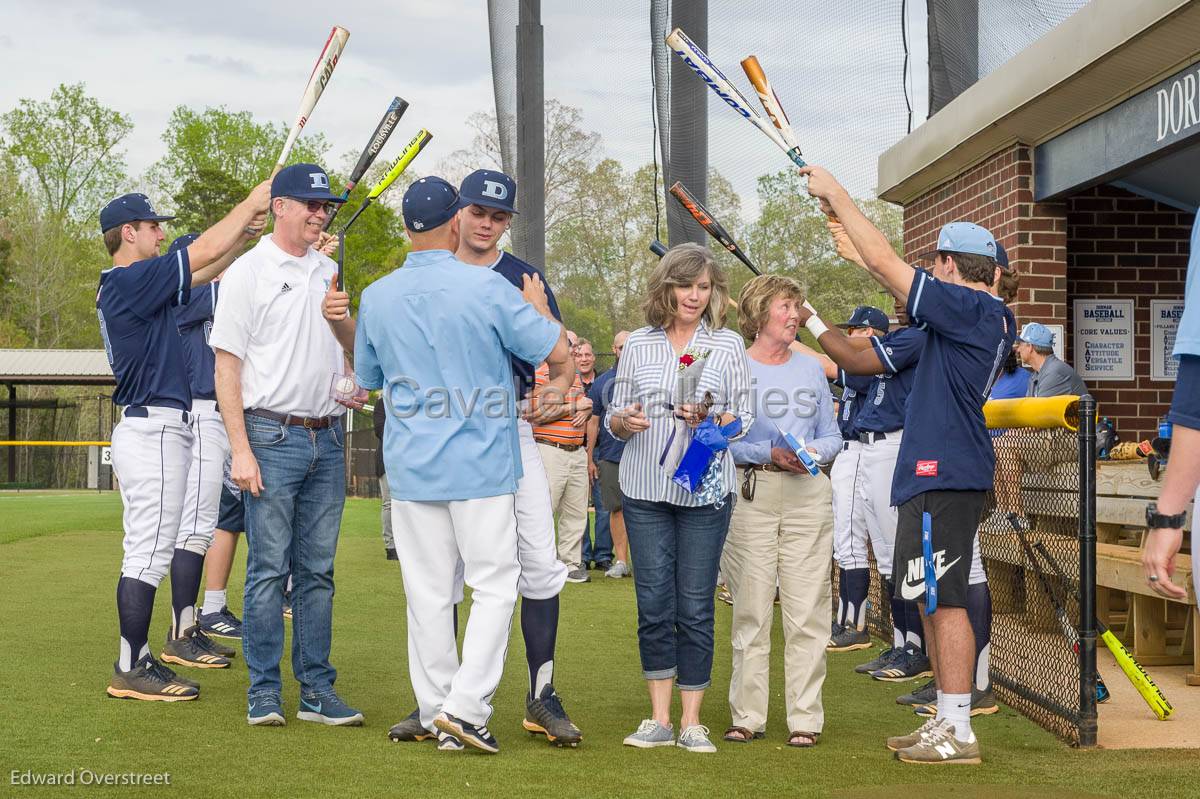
564, 447
310, 422
762, 467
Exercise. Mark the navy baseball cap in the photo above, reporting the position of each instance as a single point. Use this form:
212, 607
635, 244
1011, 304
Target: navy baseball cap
129, 208
1037, 334
964, 237
182, 242
429, 203
868, 316
1001, 256
490, 189
303, 182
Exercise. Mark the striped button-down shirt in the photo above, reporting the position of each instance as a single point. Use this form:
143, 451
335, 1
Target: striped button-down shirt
646, 373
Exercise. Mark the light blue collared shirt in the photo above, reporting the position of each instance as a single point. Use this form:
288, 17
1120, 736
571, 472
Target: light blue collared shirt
791, 397
1187, 338
436, 335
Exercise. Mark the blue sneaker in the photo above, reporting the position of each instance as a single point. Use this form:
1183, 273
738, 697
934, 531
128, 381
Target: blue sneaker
329, 709
265, 711
466, 732
221, 624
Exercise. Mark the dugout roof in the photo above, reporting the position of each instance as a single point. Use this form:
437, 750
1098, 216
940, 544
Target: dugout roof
1091, 96
55, 368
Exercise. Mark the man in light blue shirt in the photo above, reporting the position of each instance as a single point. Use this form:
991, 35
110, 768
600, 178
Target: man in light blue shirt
437, 336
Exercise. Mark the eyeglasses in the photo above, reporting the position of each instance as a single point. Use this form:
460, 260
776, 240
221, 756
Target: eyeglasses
749, 483
316, 205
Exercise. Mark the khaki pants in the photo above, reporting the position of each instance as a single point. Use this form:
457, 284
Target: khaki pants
567, 473
783, 537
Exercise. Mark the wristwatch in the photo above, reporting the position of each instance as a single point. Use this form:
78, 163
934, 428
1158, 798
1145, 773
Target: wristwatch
1159, 521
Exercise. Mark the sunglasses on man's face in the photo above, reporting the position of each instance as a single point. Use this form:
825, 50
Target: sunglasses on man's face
316, 205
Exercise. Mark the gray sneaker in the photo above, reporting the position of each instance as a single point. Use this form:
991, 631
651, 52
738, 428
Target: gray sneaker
619, 569
650, 734
695, 739
848, 639
898, 742
578, 575
924, 695
940, 746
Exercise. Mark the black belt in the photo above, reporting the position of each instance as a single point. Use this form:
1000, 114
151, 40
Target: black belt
871, 437
142, 412
310, 422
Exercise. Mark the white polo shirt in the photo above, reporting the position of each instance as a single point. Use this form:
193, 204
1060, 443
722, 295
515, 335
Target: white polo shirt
270, 317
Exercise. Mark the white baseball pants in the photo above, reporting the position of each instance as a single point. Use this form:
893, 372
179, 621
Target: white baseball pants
203, 498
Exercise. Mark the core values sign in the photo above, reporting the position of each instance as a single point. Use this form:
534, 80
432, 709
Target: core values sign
1104, 339
1164, 323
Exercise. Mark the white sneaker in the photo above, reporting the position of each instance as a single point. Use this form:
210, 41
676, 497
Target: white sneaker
618, 569
695, 739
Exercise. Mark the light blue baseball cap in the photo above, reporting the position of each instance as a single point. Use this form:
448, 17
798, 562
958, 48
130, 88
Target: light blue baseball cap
964, 237
1037, 334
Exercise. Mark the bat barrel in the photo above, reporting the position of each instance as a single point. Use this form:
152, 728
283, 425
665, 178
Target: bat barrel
658, 248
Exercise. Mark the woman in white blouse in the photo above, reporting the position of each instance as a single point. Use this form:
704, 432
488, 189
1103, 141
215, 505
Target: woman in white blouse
676, 536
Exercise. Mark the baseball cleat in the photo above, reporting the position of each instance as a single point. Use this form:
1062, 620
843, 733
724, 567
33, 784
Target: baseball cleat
886, 658
849, 639
150, 682
466, 732
221, 624
924, 695
912, 665
546, 716
216, 647
941, 747
188, 651
448, 743
265, 711
982, 704
410, 729
329, 709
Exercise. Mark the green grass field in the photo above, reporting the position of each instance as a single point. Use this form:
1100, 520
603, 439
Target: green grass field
59, 561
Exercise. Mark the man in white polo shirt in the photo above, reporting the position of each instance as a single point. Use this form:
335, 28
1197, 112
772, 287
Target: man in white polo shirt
276, 359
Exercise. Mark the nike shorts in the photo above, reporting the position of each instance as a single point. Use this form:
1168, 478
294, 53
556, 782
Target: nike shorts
232, 516
954, 517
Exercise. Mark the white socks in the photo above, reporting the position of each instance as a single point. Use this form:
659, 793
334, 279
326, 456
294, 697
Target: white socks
958, 714
213, 601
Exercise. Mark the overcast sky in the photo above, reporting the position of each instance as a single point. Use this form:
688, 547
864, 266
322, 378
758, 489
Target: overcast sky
837, 67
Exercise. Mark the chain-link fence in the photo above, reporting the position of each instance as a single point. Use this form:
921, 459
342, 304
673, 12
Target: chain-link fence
1038, 530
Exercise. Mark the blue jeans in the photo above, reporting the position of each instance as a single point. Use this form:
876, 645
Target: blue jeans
293, 522
603, 550
677, 552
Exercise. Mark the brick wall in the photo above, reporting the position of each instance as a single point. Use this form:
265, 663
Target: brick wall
1124, 246
998, 194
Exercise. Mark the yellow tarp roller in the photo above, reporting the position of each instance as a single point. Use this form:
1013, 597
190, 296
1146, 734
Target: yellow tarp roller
1046, 413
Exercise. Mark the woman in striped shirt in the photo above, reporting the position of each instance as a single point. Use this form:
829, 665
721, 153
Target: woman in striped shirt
675, 537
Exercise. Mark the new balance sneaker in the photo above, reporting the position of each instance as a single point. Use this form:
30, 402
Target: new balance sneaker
477, 736
695, 739
188, 651
448, 743
222, 624
578, 575
982, 704
329, 709
265, 711
650, 734
848, 639
898, 742
410, 729
911, 665
150, 682
887, 658
619, 569
546, 716
941, 747
924, 695
216, 647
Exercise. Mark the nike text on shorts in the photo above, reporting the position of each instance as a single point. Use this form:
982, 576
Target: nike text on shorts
955, 518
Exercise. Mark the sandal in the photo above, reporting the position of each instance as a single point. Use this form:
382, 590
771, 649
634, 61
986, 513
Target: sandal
741, 735
803, 740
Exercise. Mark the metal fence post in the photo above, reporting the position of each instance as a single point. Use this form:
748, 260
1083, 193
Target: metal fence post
1087, 571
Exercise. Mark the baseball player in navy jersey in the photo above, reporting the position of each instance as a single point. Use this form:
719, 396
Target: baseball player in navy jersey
946, 462
152, 445
489, 197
